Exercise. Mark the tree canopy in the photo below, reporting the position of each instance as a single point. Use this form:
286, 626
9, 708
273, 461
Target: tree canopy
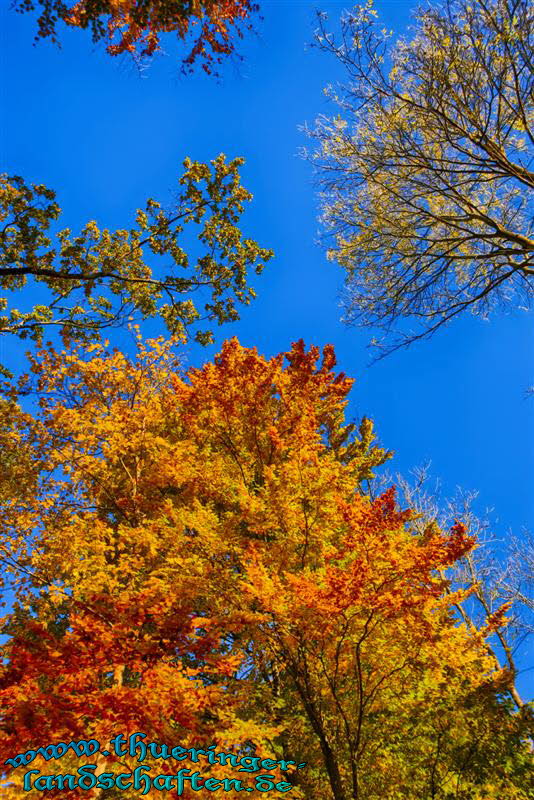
136, 26
102, 278
426, 170
197, 560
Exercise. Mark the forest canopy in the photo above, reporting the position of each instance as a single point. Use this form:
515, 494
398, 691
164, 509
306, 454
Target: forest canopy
201, 549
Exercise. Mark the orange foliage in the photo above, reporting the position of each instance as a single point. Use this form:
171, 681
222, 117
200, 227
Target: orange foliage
133, 26
201, 563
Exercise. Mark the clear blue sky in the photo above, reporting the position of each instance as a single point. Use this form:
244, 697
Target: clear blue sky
106, 138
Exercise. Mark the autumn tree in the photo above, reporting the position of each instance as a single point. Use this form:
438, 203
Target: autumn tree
199, 561
426, 169
209, 27
100, 278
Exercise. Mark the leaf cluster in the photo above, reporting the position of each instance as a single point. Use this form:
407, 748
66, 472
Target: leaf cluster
136, 26
102, 278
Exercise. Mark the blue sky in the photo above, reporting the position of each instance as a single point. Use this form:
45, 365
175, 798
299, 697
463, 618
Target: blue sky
106, 138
